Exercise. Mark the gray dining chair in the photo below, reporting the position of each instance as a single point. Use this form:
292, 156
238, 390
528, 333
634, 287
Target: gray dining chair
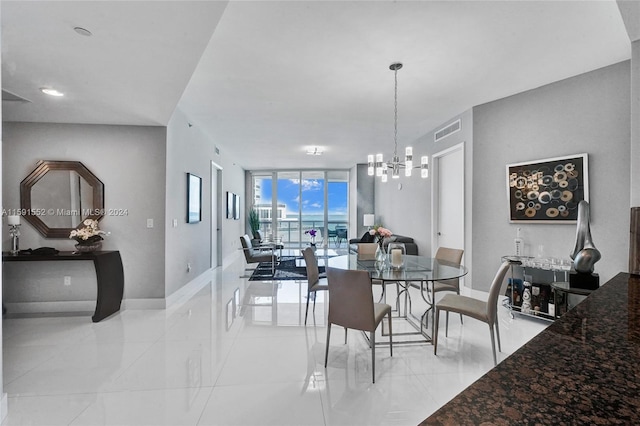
367, 251
255, 255
483, 311
351, 306
449, 255
314, 282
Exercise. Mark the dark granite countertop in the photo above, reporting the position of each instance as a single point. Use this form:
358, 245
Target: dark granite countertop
583, 369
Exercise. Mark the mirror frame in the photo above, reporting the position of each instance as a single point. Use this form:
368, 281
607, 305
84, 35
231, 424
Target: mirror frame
45, 166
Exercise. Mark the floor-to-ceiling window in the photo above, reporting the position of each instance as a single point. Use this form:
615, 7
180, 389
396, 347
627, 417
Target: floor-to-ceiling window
290, 203
338, 206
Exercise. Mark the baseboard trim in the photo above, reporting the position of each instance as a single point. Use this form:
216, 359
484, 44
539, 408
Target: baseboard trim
49, 307
181, 295
142, 304
187, 291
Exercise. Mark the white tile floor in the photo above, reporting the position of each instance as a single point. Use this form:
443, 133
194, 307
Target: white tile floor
198, 364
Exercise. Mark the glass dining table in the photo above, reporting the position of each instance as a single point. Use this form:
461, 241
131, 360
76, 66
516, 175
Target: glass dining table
417, 272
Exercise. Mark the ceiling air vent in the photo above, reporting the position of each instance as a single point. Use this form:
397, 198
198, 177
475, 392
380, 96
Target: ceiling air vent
446, 131
10, 97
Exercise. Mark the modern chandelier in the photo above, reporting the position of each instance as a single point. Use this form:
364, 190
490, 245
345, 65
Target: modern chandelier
377, 166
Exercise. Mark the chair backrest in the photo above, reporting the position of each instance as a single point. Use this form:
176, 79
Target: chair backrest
260, 235
350, 299
450, 255
311, 264
247, 247
494, 291
367, 250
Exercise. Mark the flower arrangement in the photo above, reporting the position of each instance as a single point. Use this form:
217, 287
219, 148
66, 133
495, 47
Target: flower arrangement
380, 233
88, 234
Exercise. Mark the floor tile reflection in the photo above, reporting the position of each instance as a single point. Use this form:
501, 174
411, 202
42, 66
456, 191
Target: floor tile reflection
236, 352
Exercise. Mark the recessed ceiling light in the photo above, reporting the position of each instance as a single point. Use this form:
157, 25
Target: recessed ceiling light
314, 151
83, 31
51, 92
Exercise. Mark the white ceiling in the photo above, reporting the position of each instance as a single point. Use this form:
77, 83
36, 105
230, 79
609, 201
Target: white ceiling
267, 79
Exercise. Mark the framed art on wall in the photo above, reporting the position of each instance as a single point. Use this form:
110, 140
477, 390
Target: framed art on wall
549, 190
236, 206
230, 204
194, 198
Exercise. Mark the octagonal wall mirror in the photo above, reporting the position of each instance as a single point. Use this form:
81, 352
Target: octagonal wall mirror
58, 195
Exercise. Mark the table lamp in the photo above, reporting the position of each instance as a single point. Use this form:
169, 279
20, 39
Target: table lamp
368, 220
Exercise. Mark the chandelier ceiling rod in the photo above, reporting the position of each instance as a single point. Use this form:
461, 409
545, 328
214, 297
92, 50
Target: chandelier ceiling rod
395, 68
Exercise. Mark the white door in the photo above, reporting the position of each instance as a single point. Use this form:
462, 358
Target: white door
449, 198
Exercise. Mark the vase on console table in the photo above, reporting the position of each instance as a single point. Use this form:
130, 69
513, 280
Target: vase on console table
88, 248
88, 236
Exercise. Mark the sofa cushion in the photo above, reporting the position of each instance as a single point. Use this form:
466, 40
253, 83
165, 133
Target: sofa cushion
403, 239
367, 238
398, 239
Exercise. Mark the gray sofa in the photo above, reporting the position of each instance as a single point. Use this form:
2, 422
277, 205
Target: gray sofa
410, 245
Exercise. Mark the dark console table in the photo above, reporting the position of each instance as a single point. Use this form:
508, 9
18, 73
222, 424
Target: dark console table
582, 369
109, 274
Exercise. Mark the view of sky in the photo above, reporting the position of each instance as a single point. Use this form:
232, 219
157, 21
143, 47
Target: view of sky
312, 197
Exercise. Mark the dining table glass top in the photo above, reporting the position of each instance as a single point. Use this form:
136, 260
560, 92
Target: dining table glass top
415, 268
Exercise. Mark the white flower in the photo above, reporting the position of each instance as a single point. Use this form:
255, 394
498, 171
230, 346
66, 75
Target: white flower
88, 231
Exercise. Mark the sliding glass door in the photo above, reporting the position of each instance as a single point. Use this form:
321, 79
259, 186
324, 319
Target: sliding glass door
290, 203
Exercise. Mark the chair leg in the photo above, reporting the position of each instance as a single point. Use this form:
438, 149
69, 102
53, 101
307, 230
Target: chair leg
436, 320
390, 334
446, 327
306, 312
345, 335
373, 355
326, 352
458, 291
498, 335
493, 345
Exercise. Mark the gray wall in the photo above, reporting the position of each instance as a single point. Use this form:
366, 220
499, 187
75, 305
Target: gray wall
362, 196
635, 124
190, 150
587, 113
130, 162
407, 211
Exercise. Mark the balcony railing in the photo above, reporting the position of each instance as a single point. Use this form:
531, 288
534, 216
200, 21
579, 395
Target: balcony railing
292, 232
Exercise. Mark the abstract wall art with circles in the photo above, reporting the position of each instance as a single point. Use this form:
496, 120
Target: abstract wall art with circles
549, 190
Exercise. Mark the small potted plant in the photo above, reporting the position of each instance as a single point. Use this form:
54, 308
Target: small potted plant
254, 223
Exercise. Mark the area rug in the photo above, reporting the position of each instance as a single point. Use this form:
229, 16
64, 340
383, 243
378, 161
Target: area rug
286, 269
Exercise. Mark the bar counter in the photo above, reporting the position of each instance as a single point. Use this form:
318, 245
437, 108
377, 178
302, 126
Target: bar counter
582, 369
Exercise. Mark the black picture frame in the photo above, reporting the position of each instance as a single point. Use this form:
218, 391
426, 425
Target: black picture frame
549, 190
194, 198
